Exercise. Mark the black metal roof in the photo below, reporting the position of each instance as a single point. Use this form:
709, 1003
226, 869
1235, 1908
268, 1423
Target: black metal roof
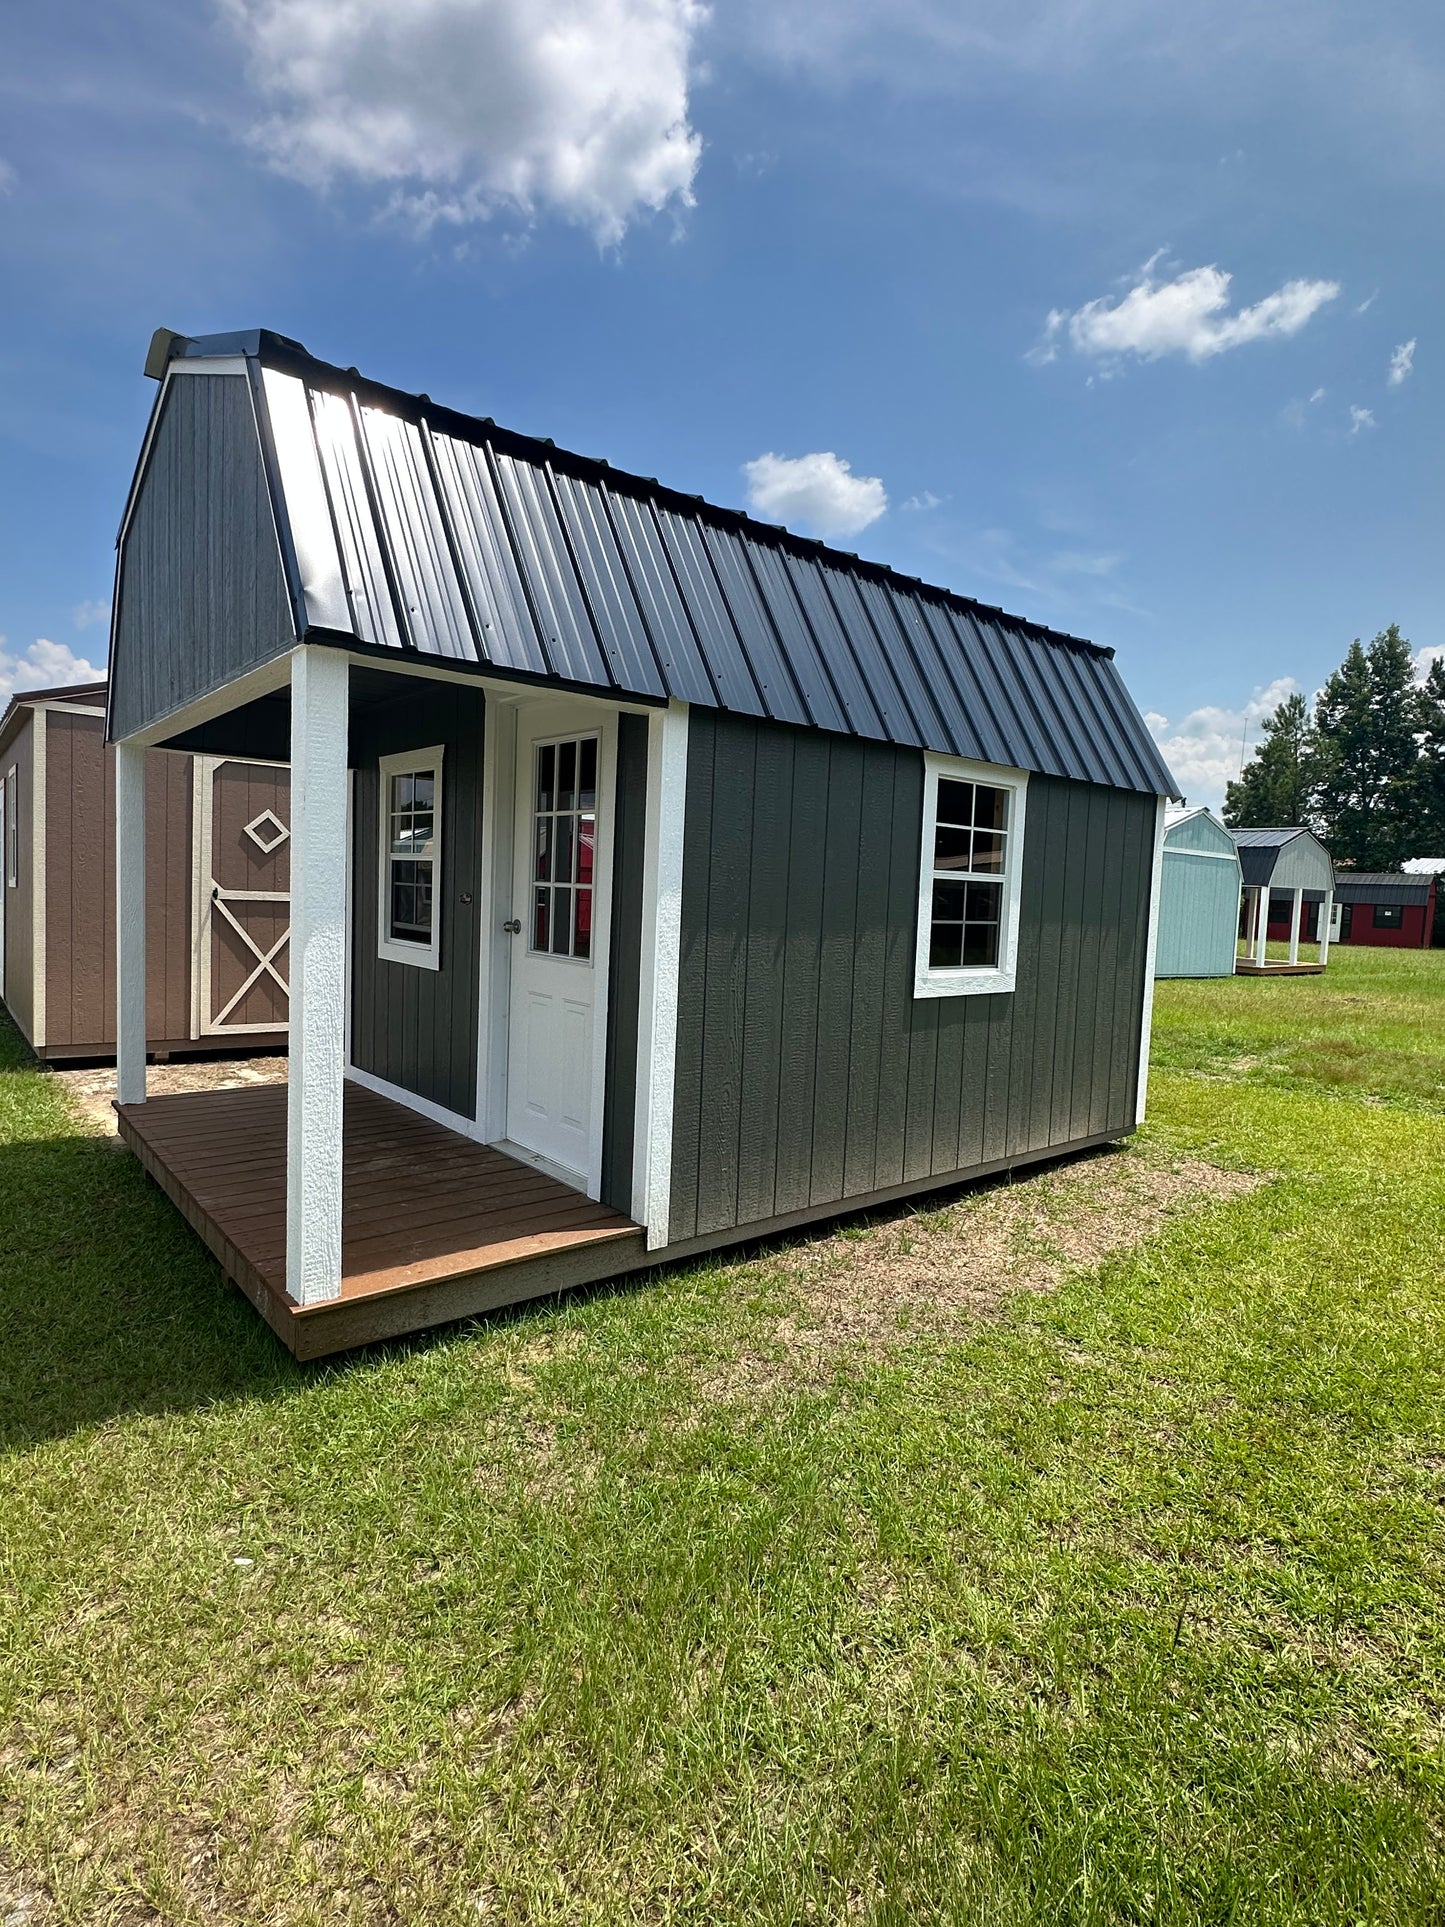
412, 527
1382, 886
1259, 851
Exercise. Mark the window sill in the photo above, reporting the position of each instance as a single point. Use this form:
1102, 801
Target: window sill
964, 983
419, 956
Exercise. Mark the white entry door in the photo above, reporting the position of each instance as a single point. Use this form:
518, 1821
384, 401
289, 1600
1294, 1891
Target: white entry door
558, 936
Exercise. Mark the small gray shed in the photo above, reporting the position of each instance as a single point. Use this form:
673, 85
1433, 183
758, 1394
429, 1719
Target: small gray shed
1198, 897
1289, 886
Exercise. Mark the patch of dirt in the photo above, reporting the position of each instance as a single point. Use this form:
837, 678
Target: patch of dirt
93, 1086
937, 1272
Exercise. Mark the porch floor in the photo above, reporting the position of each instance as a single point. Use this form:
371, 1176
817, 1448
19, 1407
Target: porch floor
434, 1225
1247, 968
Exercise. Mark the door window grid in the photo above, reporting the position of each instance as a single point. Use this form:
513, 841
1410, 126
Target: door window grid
564, 842
970, 846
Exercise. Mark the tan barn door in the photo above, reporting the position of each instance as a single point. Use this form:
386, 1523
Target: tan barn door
243, 891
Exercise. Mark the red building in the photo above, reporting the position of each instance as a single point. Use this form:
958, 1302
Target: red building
1385, 907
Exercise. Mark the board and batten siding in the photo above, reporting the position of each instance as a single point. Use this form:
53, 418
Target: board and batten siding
20, 902
412, 1027
201, 595
624, 967
807, 1073
80, 888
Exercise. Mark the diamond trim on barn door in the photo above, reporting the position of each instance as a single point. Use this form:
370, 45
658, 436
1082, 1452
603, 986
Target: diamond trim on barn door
267, 832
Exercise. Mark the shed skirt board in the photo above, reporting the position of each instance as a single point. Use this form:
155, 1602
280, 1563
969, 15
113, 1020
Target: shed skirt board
1248, 968
435, 1226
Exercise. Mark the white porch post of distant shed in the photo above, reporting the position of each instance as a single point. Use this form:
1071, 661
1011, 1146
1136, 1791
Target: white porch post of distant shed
1296, 912
1261, 927
1327, 911
317, 1069
130, 923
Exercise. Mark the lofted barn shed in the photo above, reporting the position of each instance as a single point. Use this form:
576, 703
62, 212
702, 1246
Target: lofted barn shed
1289, 884
659, 879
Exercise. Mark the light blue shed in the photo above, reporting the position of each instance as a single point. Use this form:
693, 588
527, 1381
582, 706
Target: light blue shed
1198, 897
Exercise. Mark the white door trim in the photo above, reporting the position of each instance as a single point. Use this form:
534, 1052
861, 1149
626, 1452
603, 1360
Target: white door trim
1151, 956
39, 881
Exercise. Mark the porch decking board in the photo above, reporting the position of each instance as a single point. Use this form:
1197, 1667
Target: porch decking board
434, 1225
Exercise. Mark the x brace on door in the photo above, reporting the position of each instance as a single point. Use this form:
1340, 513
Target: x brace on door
265, 959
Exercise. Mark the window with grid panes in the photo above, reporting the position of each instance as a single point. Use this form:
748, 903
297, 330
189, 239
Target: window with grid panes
973, 823
411, 799
564, 846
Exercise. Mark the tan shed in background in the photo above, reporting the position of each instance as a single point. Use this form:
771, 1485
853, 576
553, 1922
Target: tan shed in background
217, 909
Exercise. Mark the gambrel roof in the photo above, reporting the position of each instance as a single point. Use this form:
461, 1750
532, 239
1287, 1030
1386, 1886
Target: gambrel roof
408, 527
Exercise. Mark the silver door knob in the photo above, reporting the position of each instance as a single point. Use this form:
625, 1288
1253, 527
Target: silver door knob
513, 926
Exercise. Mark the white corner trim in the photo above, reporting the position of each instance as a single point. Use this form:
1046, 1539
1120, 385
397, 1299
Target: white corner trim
499, 732
317, 1077
971, 982
130, 923
421, 956
423, 1106
39, 881
662, 950
1151, 951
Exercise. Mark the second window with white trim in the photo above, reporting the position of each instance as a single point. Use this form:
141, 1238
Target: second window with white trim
411, 846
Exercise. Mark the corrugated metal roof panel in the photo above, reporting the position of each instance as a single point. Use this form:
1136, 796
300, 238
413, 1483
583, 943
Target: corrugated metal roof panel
1361, 886
620, 622
466, 542
487, 559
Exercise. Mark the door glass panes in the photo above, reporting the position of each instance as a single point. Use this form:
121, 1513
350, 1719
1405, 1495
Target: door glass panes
970, 841
411, 854
564, 836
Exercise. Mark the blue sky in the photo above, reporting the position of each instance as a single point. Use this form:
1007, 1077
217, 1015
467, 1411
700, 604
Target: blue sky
1084, 307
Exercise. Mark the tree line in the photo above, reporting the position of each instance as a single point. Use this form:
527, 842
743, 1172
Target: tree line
1365, 770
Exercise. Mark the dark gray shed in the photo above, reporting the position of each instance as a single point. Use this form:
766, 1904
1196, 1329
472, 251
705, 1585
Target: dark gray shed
696, 869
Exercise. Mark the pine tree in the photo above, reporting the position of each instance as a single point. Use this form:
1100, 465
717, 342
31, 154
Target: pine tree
1431, 839
1276, 787
1368, 722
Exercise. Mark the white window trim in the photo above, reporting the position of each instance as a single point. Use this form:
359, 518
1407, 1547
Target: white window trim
970, 981
422, 956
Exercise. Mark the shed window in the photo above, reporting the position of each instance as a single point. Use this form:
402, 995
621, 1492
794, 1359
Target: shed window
1389, 916
973, 826
411, 854
12, 829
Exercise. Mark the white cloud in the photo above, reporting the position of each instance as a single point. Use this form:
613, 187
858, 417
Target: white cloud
1206, 747
1402, 363
1296, 412
1423, 658
464, 107
1078, 562
1186, 316
819, 491
44, 665
923, 501
1360, 418
85, 615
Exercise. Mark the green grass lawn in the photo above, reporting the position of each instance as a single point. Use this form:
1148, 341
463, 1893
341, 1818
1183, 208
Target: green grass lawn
1124, 1604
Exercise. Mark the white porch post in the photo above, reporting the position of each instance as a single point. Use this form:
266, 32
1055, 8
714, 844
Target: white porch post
1296, 911
1261, 934
317, 1070
130, 923
1327, 911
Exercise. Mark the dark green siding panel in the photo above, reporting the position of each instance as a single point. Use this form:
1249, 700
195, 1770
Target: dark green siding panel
201, 592
692, 971
763, 971
841, 838
418, 1028
801, 839
624, 970
807, 1071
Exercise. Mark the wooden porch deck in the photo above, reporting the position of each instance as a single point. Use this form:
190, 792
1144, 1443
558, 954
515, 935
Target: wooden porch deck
1246, 967
434, 1226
